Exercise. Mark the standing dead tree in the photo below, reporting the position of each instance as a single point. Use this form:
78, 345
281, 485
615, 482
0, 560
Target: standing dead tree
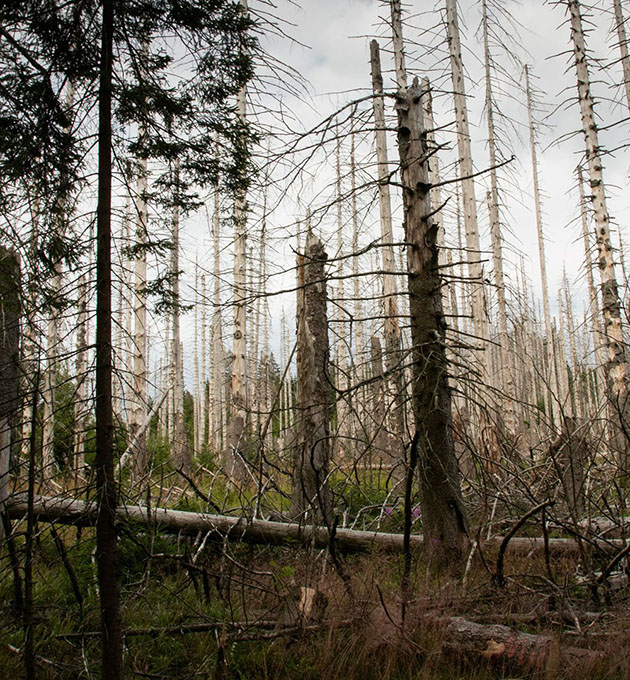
442, 507
616, 367
310, 492
9, 361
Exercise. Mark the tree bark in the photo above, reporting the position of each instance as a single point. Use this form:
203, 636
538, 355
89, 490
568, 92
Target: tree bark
395, 382
506, 382
549, 373
310, 496
258, 531
106, 534
238, 426
442, 507
616, 367
473, 249
620, 25
10, 313
180, 451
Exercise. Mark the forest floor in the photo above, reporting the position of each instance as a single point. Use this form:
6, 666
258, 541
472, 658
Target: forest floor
196, 608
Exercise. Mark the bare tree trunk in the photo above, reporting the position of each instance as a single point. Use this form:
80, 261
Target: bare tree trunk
217, 355
139, 396
442, 506
358, 409
238, 425
203, 407
506, 381
616, 367
10, 313
119, 353
106, 532
342, 342
81, 408
180, 452
310, 496
595, 316
620, 25
395, 382
196, 362
473, 248
552, 385
377, 411
49, 384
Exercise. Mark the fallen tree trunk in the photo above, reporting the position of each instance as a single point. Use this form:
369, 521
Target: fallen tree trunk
503, 645
68, 511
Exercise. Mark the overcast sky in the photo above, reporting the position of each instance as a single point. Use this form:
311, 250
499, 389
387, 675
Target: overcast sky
336, 60
330, 51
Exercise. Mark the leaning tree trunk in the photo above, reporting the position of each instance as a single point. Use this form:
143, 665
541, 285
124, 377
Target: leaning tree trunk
616, 368
106, 531
442, 508
310, 497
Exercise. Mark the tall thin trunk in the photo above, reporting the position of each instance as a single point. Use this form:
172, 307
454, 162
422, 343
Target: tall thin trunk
106, 532
552, 385
238, 426
506, 382
616, 367
620, 25
180, 449
10, 313
469, 203
594, 313
81, 408
357, 363
217, 356
393, 342
119, 354
203, 405
140, 382
342, 342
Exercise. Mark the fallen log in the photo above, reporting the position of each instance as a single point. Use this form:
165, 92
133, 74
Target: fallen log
503, 645
247, 529
265, 532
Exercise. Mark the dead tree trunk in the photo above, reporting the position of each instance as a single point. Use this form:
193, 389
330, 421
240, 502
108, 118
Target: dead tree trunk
238, 426
616, 368
473, 248
10, 291
442, 507
139, 398
506, 382
310, 498
620, 25
552, 386
180, 451
395, 383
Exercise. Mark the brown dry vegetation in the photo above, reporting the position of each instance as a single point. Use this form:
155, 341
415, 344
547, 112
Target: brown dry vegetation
232, 611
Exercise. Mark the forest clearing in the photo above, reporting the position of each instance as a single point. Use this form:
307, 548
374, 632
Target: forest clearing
314, 380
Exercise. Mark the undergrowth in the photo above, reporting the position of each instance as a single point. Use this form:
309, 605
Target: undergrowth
209, 609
